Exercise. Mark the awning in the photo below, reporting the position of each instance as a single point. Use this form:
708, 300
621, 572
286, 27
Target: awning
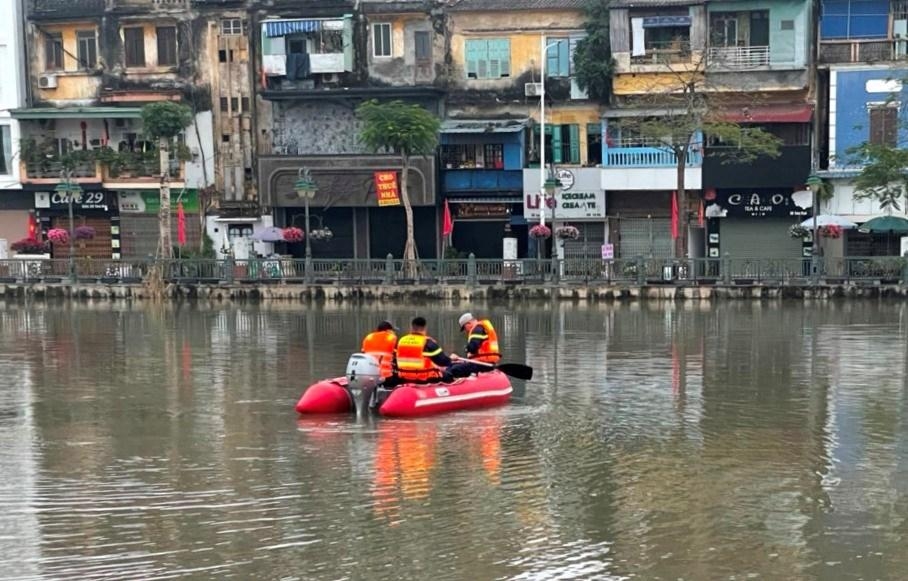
78, 113
284, 27
483, 125
665, 21
487, 200
801, 113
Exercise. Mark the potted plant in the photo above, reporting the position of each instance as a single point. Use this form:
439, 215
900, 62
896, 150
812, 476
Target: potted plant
58, 236
83, 233
321, 234
30, 247
567, 233
540, 232
798, 231
831, 231
294, 234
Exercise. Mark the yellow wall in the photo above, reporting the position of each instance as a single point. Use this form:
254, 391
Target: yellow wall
72, 84
650, 83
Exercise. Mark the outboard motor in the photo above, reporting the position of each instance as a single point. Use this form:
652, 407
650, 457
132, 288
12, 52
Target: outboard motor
363, 376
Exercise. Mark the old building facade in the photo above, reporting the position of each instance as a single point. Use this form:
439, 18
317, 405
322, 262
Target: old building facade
14, 204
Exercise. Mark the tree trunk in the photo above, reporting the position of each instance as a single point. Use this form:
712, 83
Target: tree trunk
165, 245
410, 246
681, 242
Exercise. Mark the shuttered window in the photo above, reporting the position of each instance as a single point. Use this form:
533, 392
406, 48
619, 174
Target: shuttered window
557, 61
167, 46
488, 59
134, 46
562, 143
423, 43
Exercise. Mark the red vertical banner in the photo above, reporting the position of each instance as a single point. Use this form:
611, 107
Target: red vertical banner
181, 225
386, 188
34, 231
701, 214
674, 215
447, 227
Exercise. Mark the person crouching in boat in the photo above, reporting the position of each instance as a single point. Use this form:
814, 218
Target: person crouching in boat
419, 358
380, 344
482, 347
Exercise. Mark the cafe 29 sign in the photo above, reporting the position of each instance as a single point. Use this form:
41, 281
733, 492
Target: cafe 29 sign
81, 201
761, 205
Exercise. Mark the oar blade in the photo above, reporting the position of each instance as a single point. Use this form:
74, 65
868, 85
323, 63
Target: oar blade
516, 370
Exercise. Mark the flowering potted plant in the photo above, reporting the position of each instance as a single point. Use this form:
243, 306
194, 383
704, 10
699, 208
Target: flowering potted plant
798, 231
84, 233
29, 246
540, 231
293, 234
567, 233
831, 231
321, 234
58, 236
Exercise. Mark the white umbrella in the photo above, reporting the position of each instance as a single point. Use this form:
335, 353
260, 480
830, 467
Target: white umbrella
824, 220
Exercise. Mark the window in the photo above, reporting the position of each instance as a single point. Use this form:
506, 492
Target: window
53, 51
232, 26
134, 46
884, 125
87, 50
562, 143
593, 144
245, 102
855, 19
488, 59
225, 56
234, 104
724, 29
224, 107
381, 39
167, 46
558, 57
473, 156
423, 42
739, 29
6, 151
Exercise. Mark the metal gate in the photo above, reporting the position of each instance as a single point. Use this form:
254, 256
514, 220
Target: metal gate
583, 257
646, 237
758, 238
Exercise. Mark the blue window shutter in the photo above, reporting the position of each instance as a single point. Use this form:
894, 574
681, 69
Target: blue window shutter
556, 144
564, 61
499, 58
476, 52
551, 59
575, 143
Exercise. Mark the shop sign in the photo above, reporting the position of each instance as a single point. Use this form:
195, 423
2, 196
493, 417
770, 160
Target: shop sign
479, 211
608, 252
760, 205
386, 188
579, 198
85, 200
149, 202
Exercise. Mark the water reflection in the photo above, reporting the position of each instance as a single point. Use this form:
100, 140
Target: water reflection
656, 441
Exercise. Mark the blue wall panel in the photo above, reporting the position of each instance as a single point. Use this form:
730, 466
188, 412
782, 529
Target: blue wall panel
852, 122
854, 19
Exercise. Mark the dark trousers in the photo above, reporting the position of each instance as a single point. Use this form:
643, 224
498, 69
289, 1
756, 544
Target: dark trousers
467, 368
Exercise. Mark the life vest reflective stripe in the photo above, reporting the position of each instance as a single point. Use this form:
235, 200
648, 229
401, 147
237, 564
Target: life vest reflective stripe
489, 351
380, 345
413, 361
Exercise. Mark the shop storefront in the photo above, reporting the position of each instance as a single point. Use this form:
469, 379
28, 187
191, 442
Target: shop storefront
640, 224
15, 207
94, 208
139, 221
753, 224
579, 202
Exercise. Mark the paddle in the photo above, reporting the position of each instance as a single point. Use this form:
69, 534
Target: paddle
516, 370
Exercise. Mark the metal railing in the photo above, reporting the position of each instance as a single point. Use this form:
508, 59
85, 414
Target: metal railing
862, 51
390, 271
648, 156
664, 53
738, 57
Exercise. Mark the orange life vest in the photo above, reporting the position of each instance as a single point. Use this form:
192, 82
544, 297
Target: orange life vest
413, 362
488, 350
380, 344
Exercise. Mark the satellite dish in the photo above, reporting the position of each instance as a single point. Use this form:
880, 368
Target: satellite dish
803, 199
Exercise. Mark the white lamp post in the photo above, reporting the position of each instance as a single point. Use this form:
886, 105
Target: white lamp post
306, 189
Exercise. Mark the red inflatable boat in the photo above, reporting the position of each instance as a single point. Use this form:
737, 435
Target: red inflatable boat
484, 390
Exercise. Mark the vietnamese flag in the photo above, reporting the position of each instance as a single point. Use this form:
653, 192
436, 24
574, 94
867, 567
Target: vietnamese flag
675, 215
33, 231
447, 227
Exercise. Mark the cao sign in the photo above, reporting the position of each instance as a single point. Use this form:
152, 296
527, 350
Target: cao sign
761, 205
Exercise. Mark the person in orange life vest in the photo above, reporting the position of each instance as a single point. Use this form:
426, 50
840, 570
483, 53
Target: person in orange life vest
380, 344
482, 346
419, 358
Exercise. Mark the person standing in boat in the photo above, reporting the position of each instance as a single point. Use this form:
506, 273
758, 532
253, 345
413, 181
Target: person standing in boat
380, 344
482, 347
419, 358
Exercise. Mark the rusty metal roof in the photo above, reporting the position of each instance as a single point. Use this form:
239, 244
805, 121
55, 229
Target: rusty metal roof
500, 5
653, 3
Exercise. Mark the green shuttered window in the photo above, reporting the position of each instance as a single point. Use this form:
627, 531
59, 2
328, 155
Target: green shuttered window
488, 58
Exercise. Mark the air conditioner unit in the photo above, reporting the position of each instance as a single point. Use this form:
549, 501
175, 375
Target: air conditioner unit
47, 81
532, 89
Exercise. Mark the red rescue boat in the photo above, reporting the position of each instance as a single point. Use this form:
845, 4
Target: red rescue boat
408, 400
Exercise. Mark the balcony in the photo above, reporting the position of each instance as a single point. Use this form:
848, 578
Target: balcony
642, 155
123, 167
664, 53
738, 57
862, 51
49, 171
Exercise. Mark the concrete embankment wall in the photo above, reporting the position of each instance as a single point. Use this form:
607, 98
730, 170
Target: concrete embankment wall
451, 293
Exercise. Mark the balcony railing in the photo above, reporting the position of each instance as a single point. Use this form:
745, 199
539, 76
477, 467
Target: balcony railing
647, 157
45, 171
738, 57
664, 53
49, 171
862, 51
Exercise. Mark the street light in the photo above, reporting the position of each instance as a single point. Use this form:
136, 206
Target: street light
70, 190
306, 189
814, 183
542, 178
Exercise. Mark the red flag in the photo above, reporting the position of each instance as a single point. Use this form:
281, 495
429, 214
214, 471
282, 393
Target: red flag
447, 227
33, 230
701, 217
674, 215
181, 224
